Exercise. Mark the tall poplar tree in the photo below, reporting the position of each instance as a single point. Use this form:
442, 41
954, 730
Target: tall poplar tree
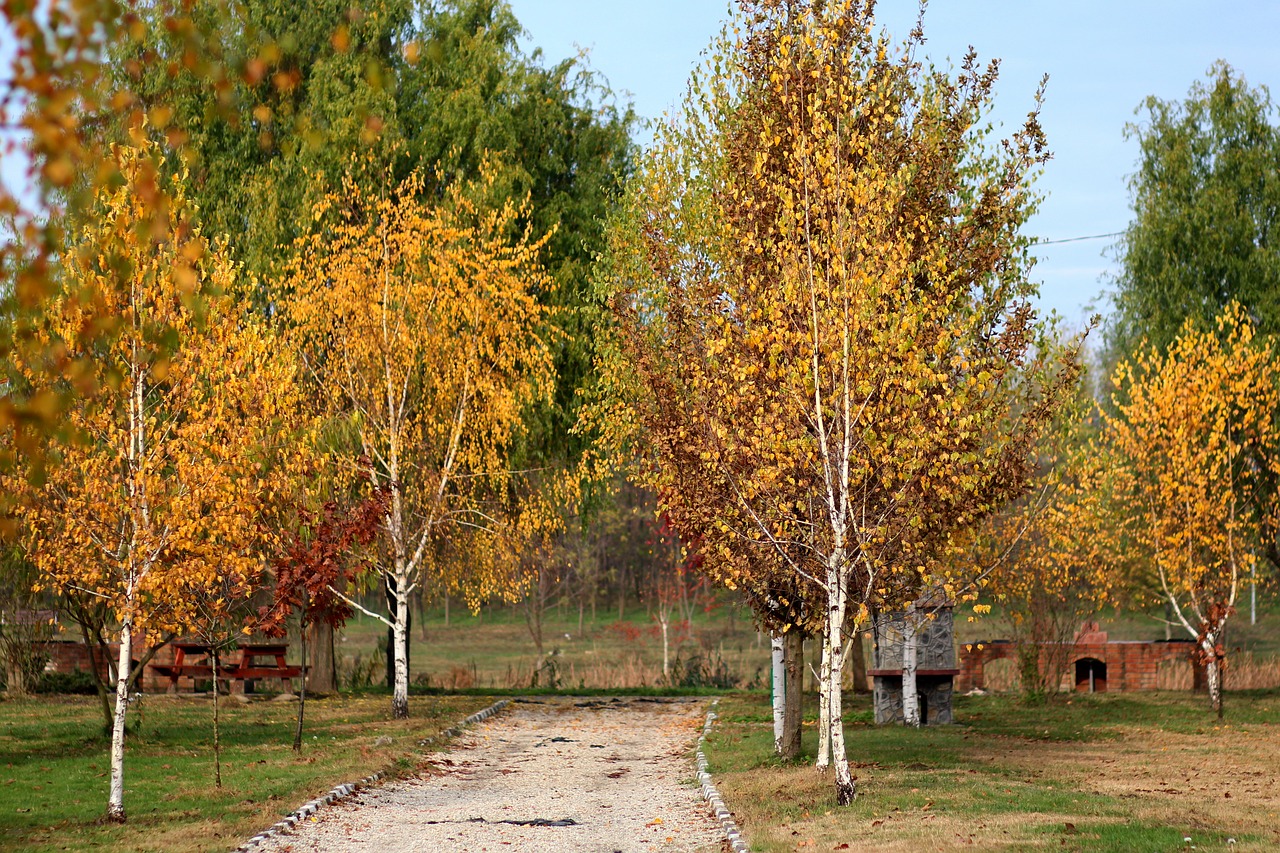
444, 84
1206, 213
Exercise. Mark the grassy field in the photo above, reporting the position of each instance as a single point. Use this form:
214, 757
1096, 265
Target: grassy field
494, 649
53, 766
1135, 772
1262, 639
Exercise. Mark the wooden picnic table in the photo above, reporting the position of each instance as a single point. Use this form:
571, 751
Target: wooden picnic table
239, 667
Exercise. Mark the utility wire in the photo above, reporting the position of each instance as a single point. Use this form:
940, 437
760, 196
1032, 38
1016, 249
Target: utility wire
1077, 239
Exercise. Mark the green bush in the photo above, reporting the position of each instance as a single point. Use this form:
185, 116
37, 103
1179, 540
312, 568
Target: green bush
78, 683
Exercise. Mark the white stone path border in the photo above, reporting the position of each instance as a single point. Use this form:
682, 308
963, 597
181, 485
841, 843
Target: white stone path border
287, 825
712, 796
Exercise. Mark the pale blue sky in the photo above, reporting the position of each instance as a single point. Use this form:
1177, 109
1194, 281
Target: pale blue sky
1102, 58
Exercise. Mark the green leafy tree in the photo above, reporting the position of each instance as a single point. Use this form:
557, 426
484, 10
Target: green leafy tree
1206, 203
442, 88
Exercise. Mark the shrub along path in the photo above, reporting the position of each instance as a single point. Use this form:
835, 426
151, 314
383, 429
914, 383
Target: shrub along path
551, 775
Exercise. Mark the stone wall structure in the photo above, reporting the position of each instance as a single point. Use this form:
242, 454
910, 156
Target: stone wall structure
935, 662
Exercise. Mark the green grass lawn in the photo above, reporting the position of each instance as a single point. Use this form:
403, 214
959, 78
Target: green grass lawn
1117, 772
54, 762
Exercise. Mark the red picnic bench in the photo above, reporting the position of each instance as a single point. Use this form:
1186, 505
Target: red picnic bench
239, 667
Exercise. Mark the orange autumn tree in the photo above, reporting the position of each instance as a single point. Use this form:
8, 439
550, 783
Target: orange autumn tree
1050, 552
155, 503
825, 348
419, 324
1194, 444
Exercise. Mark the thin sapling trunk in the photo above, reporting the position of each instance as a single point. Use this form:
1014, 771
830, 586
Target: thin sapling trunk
779, 689
217, 732
302, 687
115, 797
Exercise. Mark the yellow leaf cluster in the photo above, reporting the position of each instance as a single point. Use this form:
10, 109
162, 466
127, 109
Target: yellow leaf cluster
420, 325
158, 497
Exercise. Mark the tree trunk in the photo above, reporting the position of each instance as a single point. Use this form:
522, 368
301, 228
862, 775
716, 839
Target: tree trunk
534, 606
846, 791
622, 591
793, 657
400, 635
1213, 674
302, 688
394, 610
217, 733
1253, 595
779, 689
825, 682
115, 799
539, 661
910, 695
858, 663
323, 675
98, 681
666, 654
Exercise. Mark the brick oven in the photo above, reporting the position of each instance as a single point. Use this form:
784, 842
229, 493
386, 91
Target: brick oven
1094, 663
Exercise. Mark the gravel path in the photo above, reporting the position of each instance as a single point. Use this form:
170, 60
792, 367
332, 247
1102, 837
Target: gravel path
548, 775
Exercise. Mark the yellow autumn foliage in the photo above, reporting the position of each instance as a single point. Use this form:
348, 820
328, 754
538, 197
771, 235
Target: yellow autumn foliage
176, 417
1194, 447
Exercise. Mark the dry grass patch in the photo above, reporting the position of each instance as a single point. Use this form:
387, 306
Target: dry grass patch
1139, 772
1225, 777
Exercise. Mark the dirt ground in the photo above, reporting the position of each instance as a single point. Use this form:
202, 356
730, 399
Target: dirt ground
1226, 779
550, 775
1149, 788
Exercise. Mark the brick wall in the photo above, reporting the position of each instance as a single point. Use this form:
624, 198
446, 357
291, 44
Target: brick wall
69, 656
1129, 665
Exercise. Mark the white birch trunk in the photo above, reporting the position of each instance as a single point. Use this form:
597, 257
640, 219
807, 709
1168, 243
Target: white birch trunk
115, 798
910, 660
1253, 595
824, 705
666, 658
846, 791
400, 635
779, 690
1212, 672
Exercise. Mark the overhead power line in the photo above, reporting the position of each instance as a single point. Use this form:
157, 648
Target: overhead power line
1077, 239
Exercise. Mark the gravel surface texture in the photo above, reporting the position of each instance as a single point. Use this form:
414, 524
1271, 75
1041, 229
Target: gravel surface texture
546, 775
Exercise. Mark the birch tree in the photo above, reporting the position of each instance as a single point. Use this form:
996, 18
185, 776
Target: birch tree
825, 331
1195, 448
156, 500
420, 325
1051, 553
